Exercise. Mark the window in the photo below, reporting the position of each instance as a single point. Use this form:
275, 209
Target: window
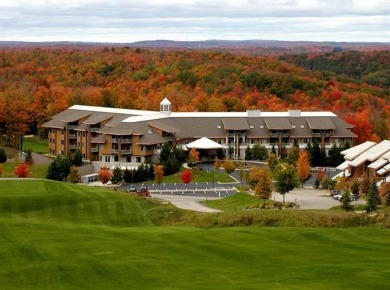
138, 159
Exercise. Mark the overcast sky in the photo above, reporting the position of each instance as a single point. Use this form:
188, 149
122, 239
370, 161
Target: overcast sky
135, 20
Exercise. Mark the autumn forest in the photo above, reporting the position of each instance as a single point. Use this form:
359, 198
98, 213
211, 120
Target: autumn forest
36, 83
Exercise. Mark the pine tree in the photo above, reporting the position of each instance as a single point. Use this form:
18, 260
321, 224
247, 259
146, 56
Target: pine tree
116, 175
346, 201
3, 156
77, 158
372, 197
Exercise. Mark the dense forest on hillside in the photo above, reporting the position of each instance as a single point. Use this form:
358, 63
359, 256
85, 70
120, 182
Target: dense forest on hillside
36, 83
370, 67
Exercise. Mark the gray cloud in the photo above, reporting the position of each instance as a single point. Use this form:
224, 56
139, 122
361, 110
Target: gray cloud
127, 21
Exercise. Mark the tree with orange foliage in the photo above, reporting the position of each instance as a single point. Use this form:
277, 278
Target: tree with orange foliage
186, 176
104, 175
159, 174
22, 170
303, 166
193, 157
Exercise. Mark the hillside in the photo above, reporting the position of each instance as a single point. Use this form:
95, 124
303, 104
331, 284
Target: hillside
63, 236
36, 83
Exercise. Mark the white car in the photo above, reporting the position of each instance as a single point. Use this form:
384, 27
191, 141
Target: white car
339, 197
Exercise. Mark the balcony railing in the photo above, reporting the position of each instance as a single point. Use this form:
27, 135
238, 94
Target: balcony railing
72, 136
126, 141
126, 152
72, 147
114, 151
95, 149
94, 129
316, 135
72, 127
274, 135
168, 138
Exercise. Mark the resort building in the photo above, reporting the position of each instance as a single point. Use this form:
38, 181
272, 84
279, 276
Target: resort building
368, 159
129, 137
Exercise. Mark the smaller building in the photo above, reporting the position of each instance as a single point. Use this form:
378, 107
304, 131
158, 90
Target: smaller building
368, 159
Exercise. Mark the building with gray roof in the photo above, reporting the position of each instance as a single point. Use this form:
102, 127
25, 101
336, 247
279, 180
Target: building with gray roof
111, 135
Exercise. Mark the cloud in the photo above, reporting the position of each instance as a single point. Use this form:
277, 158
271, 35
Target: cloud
129, 20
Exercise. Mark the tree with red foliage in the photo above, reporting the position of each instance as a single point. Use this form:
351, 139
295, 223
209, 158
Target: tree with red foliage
186, 176
22, 170
1, 171
104, 175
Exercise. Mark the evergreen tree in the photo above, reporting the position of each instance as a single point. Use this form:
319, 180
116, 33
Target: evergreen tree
3, 156
372, 197
29, 158
355, 189
77, 158
248, 153
116, 175
59, 168
127, 177
273, 150
346, 201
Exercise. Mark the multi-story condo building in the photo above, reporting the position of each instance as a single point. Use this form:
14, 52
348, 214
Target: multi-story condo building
124, 136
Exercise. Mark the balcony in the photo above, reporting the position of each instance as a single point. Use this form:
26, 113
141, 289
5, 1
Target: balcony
285, 135
126, 141
94, 129
72, 127
95, 149
72, 136
316, 135
274, 135
72, 147
126, 152
114, 151
168, 138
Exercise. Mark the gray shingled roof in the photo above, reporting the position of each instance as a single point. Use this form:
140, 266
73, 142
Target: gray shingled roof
277, 123
73, 115
54, 123
163, 126
320, 123
97, 118
235, 124
151, 138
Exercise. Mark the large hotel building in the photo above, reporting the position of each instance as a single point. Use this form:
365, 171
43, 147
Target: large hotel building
130, 137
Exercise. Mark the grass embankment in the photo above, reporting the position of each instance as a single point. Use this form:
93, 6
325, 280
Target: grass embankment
35, 170
36, 144
239, 201
58, 236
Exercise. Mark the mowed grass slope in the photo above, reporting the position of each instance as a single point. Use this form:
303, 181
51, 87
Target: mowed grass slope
61, 236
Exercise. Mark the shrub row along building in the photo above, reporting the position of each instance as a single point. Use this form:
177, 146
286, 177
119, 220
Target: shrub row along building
129, 137
368, 159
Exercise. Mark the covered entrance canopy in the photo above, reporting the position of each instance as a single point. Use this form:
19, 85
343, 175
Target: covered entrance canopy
204, 143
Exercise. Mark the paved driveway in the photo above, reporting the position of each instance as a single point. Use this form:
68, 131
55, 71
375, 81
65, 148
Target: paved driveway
310, 198
187, 202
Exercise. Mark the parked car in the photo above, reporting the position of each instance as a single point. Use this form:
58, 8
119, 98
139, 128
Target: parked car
336, 192
339, 197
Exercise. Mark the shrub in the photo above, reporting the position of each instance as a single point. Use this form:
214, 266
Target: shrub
3, 156
22, 170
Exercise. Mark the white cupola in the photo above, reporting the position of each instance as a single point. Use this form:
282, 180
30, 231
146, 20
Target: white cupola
166, 106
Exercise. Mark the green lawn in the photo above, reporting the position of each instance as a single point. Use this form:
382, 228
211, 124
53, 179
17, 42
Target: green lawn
63, 236
200, 176
36, 170
36, 144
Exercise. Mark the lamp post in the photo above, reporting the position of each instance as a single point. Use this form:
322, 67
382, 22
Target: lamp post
213, 176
